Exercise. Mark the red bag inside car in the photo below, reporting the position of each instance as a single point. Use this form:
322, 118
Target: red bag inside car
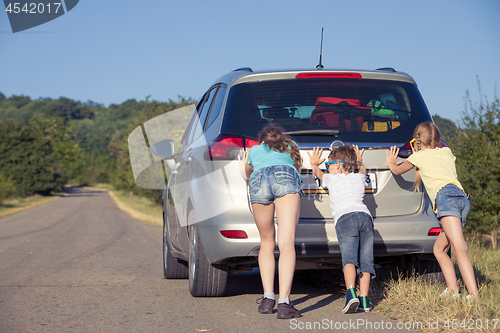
344, 114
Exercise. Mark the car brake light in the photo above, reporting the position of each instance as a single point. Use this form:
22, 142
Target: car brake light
434, 232
328, 75
249, 143
240, 234
228, 147
405, 151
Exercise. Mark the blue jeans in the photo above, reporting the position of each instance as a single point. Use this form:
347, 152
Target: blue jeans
452, 201
355, 235
272, 182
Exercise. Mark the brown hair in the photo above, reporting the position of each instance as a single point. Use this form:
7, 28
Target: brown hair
345, 154
428, 134
274, 138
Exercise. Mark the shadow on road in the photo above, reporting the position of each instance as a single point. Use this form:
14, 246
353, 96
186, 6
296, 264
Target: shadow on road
324, 285
74, 191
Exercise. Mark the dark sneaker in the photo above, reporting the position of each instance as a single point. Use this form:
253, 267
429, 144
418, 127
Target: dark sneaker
351, 302
287, 311
364, 304
266, 305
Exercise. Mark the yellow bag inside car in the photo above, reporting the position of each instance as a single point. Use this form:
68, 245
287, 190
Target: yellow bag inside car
379, 126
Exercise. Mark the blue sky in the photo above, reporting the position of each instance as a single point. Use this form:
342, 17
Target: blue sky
110, 51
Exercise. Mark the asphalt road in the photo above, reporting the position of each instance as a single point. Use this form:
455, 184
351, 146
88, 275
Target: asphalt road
79, 264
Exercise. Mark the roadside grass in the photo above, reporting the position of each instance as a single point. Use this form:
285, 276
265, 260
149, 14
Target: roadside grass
138, 207
411, 299
13, 206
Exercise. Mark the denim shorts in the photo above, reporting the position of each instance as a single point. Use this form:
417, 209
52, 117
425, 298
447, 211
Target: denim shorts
452, 201
355, 235
272, 182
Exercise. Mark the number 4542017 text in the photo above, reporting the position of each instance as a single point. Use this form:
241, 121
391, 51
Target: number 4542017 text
471, 324
33, 8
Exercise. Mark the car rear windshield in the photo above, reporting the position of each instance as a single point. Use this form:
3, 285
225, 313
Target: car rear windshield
354, 110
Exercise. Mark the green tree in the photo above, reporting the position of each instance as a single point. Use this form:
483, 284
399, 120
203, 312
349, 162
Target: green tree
61, 137
447, 128
28, 160
123, 177
7, 188
69, 109
476, 147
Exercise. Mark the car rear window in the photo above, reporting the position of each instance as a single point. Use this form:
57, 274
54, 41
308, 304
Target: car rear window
361, 110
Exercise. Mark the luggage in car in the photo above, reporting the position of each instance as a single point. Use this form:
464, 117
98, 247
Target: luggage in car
382, 118
379, 125
344, 114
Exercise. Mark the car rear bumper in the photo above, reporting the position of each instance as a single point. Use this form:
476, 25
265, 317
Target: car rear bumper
317, 238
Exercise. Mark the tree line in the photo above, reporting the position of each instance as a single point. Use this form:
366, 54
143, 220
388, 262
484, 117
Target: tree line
47, 143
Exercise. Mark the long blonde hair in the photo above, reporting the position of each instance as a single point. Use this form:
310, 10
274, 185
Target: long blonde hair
274, 138
428, 134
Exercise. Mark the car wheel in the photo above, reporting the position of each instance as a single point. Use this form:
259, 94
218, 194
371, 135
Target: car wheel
205, 279
430, 271
172, 267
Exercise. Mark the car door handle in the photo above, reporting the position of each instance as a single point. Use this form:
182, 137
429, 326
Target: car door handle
187, 157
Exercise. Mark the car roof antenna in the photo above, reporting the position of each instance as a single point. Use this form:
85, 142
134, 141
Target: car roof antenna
320, 65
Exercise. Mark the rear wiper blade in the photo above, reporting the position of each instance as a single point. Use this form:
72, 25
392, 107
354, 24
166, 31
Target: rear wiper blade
315, 132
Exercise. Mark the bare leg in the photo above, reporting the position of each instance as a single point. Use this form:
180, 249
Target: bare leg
453, 230
287, 213
350, 276
364, 283
264, 219
440, 252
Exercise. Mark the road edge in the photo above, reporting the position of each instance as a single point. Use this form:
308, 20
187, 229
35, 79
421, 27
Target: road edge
133, 213
38, 203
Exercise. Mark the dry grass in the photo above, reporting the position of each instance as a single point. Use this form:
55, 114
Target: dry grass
415, 300
140, 208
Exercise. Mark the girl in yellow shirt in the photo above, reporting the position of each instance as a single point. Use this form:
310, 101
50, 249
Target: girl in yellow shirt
436, 169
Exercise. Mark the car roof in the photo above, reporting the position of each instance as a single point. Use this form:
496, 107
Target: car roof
246, 74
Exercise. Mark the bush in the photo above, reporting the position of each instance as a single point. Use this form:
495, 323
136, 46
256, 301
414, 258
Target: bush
7, 187
28, 160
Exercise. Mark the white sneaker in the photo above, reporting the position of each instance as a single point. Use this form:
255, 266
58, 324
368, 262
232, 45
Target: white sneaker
445, 293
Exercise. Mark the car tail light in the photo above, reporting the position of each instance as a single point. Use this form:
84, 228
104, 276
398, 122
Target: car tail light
316, 75
240, 234
405, 151
249, 143
227, 147
434, 232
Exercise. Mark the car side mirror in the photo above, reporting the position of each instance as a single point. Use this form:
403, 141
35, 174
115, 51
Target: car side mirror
165, 150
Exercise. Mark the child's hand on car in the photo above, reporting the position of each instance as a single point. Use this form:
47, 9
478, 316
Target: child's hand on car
359, 155
315, 159
392, 156
243, 159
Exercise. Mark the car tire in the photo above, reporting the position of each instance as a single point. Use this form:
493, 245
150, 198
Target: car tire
205, 279
429, 270
173, 268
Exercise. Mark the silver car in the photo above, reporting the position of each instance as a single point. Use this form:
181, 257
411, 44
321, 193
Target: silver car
209, 230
